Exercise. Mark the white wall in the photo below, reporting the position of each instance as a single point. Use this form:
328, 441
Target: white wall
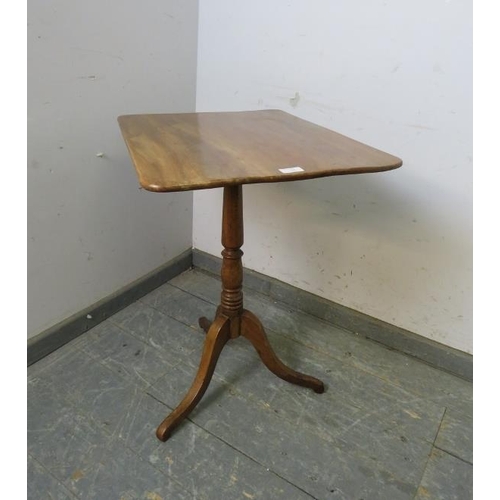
394, 74
91, 230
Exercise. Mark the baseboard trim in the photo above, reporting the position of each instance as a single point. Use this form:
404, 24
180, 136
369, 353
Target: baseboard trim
433, 353
56, 336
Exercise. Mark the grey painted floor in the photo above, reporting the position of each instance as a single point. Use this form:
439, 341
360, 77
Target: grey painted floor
388, 427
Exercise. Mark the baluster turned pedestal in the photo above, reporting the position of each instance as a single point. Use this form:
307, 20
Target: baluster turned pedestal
231, 320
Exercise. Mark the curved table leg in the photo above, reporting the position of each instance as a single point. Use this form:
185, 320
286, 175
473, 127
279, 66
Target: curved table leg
252, 329
205, 323
217, 337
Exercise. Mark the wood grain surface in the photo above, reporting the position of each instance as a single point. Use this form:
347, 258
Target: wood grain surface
180, 152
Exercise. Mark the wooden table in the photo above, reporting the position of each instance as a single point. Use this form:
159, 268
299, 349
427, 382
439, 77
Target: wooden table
181, 152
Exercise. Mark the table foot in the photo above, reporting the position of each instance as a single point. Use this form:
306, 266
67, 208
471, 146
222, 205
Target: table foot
217, 336
231, 320
252, 329
205, 323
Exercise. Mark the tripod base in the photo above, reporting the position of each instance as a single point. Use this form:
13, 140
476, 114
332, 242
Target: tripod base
218, 333
231, 321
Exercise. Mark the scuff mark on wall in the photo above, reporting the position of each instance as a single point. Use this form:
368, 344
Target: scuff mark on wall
100, 52
417, 125
294, 101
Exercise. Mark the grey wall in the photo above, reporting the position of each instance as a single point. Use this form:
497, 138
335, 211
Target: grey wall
91, 230
396, 75
396, 246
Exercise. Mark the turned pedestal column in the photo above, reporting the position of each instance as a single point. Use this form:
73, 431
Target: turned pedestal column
188, 151
231, 320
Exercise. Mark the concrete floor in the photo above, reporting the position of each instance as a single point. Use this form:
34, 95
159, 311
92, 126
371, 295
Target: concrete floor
388, 427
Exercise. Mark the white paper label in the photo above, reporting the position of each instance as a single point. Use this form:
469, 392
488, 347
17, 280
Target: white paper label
291, 170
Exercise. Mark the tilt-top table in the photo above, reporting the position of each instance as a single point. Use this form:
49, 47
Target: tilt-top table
181, 152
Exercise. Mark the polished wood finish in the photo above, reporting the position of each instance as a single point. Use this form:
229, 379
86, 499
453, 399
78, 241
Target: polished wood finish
178, 152
205, 323
252, 329
231, 302
231, 320
217, 336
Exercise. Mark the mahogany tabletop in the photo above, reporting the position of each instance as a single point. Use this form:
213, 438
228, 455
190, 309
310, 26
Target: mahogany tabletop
180, 152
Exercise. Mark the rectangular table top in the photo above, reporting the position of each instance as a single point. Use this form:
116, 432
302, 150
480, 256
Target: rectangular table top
179, 152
